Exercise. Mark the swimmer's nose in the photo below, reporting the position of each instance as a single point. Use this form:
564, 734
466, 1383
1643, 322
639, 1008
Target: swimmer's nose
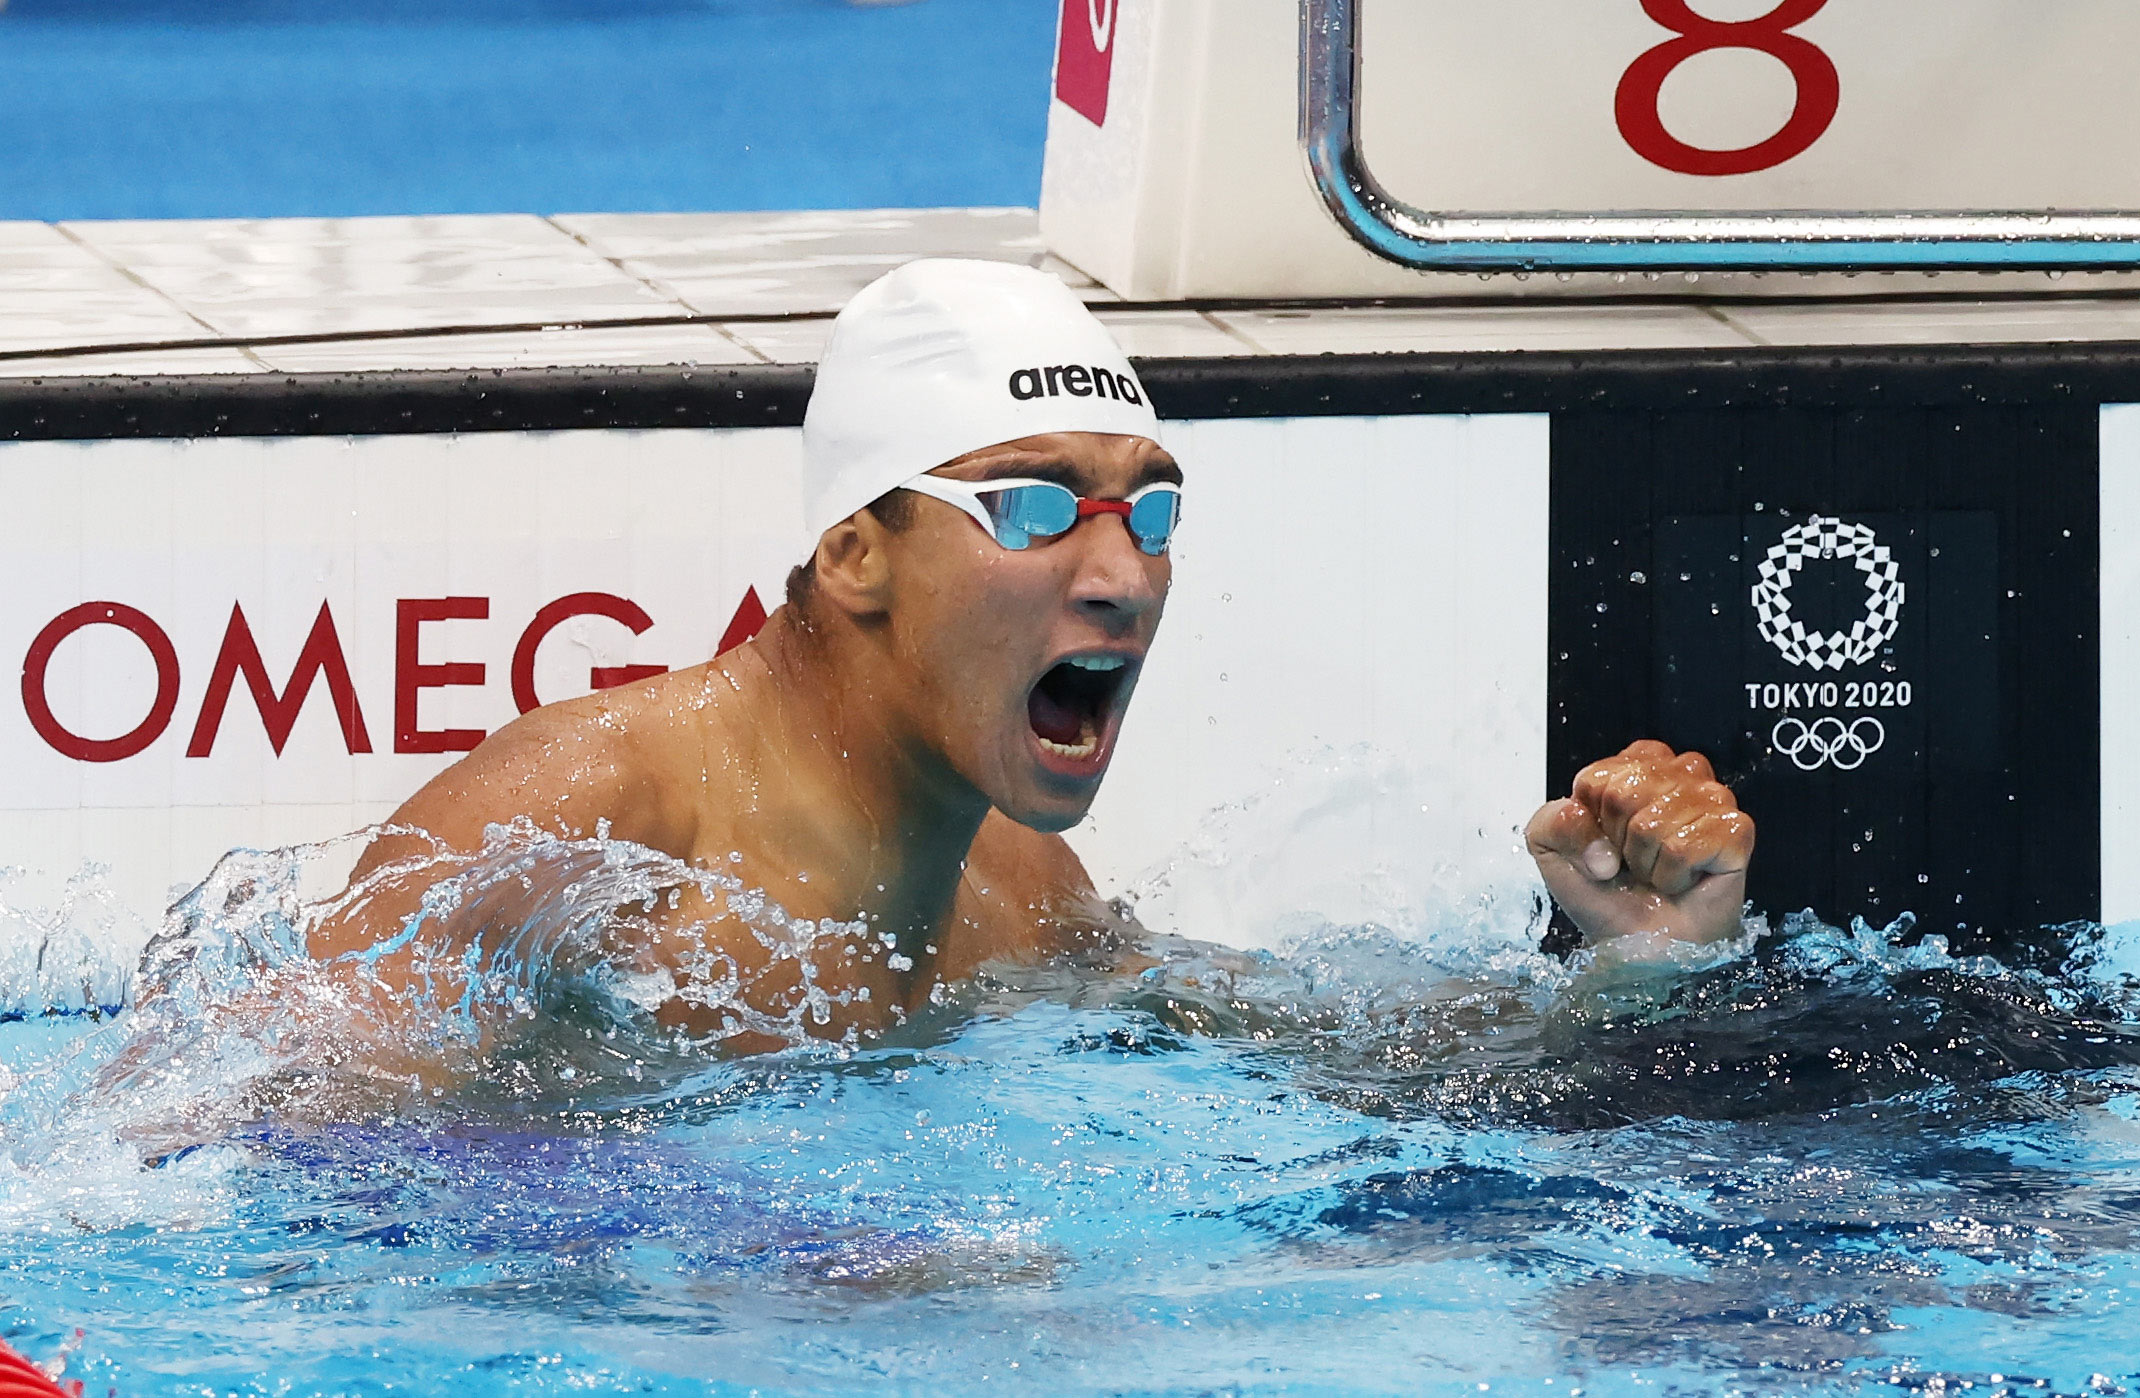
1114, 576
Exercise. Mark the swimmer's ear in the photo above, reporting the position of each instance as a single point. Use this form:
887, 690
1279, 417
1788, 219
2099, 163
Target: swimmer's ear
854, 566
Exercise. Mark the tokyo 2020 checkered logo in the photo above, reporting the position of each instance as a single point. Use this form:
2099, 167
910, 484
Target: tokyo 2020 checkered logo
1825, 538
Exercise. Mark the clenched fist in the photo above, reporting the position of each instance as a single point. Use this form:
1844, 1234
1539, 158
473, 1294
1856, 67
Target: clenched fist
1649, 845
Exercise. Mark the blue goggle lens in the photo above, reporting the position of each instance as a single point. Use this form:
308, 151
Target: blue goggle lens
1152, 520
1024, 513
1028, 512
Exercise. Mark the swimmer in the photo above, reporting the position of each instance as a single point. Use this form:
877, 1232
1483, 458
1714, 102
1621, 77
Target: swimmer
939, 698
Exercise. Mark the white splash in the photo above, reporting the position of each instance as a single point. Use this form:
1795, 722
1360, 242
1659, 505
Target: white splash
1346, 838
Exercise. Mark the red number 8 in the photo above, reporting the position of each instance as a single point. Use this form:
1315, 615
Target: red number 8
1820, 90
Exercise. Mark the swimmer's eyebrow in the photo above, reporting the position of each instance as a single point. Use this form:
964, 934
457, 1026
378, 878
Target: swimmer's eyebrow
1164, 468
1062, 473
1034, 468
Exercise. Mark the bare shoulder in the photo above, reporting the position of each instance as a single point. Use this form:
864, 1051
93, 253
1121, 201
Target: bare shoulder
1019, 857
1029, 891
572, 766
567, 767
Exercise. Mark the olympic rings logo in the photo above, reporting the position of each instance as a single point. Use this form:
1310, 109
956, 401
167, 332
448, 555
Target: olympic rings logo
1829, 538
1828, 742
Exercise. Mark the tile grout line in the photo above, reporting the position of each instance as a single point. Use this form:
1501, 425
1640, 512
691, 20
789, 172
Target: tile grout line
729, 335
656, 285
137, 279
760, 355
326, 337
1232, 332
1724, 318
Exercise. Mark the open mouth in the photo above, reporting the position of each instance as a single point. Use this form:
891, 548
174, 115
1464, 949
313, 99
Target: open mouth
1073, 706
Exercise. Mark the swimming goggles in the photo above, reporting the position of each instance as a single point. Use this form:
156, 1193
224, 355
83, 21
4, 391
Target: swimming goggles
1016, 512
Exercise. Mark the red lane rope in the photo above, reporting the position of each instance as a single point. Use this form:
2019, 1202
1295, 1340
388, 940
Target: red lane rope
19, 1378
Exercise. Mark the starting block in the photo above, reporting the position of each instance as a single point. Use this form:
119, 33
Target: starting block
1334, 148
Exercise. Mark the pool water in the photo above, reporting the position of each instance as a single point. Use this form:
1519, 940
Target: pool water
281, 108
1380, 1160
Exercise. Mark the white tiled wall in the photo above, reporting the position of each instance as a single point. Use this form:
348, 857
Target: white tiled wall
1381, 709
786, 263
680, 522
56, 293
248, 278
2120, 681
516, 290
1389, 330
653, 344
1344, 715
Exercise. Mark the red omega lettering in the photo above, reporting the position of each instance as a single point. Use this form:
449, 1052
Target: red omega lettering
38, 706
602, 604
321, 658
411, 676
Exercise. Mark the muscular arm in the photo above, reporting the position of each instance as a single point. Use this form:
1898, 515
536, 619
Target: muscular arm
346, 1027
568, 768
1648, 851
555, 767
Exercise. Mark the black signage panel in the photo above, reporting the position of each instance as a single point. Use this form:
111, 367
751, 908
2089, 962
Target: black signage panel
1880, 625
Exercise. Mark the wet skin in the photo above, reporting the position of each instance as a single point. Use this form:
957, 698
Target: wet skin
872, 754
879, 752
1647, 850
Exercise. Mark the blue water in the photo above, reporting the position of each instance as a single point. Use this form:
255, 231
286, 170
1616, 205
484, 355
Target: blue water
1384, 1160
257, 108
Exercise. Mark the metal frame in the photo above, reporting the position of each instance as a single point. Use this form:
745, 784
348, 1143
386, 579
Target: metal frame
2014, 240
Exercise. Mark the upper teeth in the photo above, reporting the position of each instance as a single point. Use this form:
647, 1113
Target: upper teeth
1098, 662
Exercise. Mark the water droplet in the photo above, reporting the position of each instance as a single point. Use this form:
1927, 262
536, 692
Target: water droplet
1638, 579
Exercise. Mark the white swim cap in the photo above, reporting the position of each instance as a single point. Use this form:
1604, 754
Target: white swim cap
945, 356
